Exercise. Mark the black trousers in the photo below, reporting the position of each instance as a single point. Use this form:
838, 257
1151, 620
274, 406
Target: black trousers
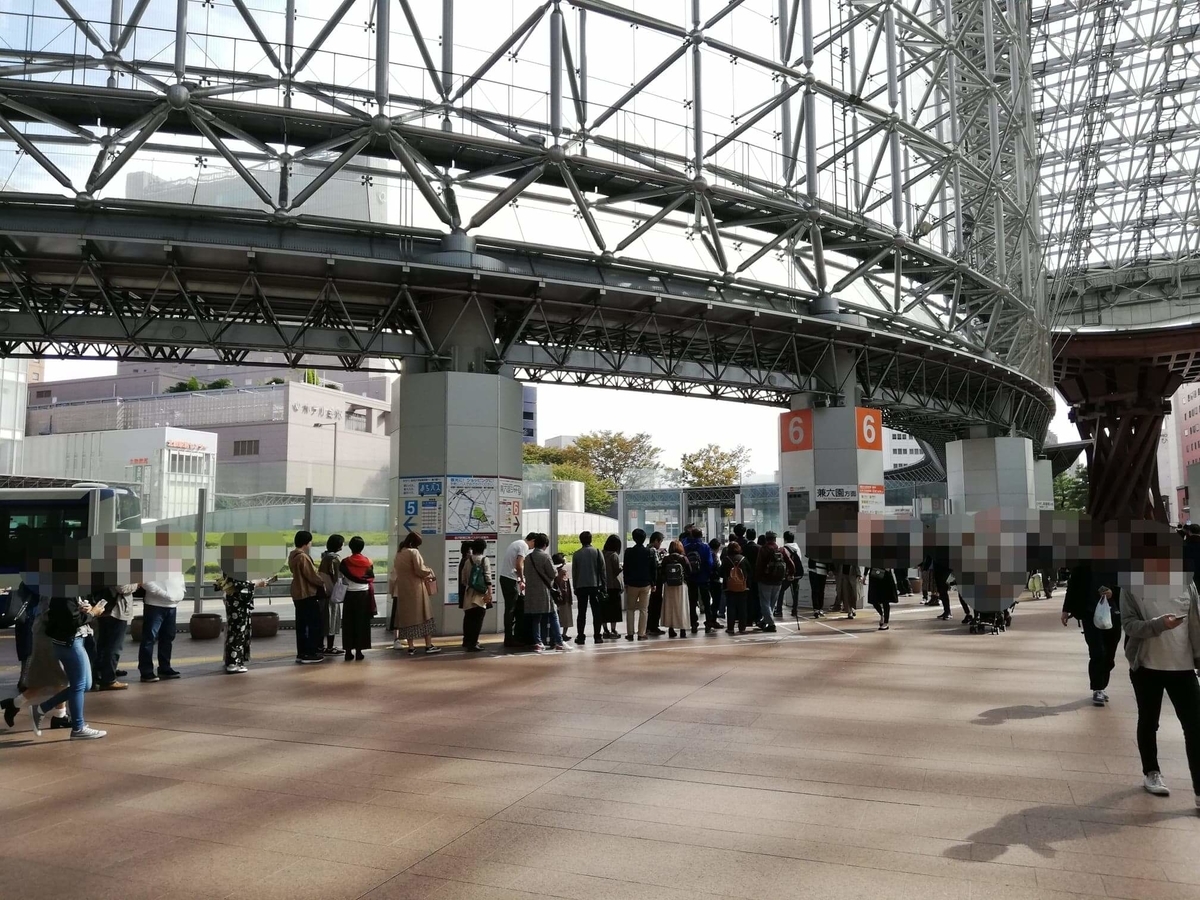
514, 619
736, 610
942, 583
310, 630
902, 588
654, 611
1184, 691
794, 587
472, 625
589, 598
884, 610
700, 600
110, 633
816, 581
1102, 651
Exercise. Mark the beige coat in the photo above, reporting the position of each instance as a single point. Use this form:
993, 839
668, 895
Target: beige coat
407, 585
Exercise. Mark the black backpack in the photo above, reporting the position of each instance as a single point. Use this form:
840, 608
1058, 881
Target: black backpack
694, 561
673, 573
776, 568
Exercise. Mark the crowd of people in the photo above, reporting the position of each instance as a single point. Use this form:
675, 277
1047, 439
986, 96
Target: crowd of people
656, 587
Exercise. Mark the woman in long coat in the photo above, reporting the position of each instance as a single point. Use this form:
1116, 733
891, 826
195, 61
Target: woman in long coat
409, 583
539, 604
612, 574
881, 594
674, 610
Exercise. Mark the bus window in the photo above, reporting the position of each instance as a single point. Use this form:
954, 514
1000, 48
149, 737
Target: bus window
25, 527
129, 511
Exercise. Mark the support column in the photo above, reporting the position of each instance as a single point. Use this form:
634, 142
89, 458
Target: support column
1120, 405
457, 452
990, 472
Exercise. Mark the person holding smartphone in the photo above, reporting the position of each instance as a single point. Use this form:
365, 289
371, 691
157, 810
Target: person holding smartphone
1159, 617
68, 622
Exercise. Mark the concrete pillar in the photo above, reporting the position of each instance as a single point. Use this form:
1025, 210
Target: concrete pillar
1043, 484
986, 473
458, 470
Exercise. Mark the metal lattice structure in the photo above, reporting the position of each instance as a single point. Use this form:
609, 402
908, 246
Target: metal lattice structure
1117, 90
709, 199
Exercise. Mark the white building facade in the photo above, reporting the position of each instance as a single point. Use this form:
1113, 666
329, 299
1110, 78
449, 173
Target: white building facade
170, 465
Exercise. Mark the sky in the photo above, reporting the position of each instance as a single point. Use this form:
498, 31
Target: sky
677, 425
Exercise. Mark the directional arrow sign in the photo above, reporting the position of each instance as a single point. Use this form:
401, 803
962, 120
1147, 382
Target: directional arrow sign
410, 514
409, 523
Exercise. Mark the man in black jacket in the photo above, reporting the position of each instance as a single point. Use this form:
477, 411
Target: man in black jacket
641, 571
1084, 590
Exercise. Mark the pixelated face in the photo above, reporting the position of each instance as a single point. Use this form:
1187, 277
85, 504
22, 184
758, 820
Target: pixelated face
249, 556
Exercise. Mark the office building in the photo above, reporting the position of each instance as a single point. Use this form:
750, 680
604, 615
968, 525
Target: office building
900, 449
529, 413
272, 438
170, 465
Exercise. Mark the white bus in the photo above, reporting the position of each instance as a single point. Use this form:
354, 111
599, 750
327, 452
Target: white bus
44, 517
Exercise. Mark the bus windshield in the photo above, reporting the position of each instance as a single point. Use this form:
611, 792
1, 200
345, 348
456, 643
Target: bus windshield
129, 511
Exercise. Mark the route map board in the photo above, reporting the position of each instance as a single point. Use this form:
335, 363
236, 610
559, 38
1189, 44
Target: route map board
472, 506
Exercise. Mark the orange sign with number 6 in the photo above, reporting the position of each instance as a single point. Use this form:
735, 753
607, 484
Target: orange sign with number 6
795, 430
869, 429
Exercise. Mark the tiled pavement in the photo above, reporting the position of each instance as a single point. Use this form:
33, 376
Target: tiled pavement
839, 762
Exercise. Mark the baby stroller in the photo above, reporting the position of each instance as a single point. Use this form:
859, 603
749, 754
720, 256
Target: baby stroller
992, 607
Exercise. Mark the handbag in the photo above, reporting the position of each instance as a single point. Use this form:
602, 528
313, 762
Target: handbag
338, 593
431, 585
555, 593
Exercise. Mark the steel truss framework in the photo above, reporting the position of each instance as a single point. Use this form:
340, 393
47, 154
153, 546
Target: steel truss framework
1118, 111
900, 188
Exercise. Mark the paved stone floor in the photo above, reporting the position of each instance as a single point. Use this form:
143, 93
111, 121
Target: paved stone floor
839, 762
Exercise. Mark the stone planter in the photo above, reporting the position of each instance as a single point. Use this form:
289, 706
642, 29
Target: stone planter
135, 630
264, 624
914, 585
206, 626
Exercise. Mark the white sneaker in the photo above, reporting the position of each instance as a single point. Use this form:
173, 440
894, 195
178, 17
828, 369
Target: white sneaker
231, 669
87, 734
1104, 696
1153, 783
397, 645
1098, 698
241, 669
37, 717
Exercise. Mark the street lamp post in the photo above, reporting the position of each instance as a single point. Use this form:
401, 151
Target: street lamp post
333, 425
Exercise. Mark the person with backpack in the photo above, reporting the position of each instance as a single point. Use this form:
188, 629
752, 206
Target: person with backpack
792, 549
700, 564
331, 612
587, 574
735, 573
674, 573
818, 575
475, 598
772, 570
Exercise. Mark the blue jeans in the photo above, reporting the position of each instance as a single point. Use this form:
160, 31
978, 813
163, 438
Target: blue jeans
767, 595
158, 626
540, 624
74, 661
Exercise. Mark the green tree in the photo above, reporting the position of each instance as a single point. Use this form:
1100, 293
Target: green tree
1071, 489
220, 384
184, 387
711, 466
275, 380
535, 455
614, 455
596, 498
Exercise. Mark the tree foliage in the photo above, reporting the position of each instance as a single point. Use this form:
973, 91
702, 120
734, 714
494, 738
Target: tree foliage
614, 455
712, 466
195, 384
535, 455
311, 377
1071, 489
